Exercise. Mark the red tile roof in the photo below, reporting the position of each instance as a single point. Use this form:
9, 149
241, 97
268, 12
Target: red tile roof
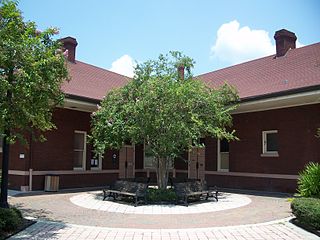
91, 82
299, 68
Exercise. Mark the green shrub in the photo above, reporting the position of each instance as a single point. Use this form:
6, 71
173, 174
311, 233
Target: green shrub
161, 195
10, 219
309, 181
307, 211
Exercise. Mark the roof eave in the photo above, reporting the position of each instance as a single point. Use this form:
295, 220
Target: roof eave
285, 99
280, 94
83, 99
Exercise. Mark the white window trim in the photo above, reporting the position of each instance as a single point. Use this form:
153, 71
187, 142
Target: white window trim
83, 168
219, 158
266, 153
99, 165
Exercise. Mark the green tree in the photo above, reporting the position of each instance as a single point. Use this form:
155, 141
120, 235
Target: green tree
32, 69
165, 109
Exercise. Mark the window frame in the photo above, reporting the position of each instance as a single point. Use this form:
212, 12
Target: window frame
265, 152
144, 158
84, 158
153, 167
219, 169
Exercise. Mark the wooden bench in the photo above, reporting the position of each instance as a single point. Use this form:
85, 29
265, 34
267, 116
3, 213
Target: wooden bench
193, 189
136, 190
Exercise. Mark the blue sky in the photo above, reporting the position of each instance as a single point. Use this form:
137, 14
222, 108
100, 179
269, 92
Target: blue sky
113, 34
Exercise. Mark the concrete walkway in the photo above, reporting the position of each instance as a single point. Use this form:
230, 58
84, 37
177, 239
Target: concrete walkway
77, 216
94, 200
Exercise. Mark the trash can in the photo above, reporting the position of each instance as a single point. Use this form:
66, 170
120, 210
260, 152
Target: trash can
51, 183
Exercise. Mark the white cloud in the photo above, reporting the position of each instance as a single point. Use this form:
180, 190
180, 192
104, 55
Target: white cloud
124, 65
235, 44
299, 44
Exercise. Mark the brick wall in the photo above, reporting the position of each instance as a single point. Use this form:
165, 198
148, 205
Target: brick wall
296, 138
297, 146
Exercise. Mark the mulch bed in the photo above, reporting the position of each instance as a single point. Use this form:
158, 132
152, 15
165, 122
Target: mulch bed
25, 223
305, 227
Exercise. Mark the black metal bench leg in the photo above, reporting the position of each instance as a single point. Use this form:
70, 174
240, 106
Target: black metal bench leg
186, 201
136, 201
216, 195
104, 195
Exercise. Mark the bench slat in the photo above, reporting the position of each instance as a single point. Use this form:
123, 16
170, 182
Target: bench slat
128, 188
193, 188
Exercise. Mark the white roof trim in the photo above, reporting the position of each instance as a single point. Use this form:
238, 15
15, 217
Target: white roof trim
79, 105
293, 100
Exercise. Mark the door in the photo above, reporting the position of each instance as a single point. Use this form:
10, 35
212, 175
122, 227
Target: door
126, 162
223, 155
196, 166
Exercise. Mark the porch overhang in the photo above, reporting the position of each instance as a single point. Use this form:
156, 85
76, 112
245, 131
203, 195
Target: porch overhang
80, 103
280, 100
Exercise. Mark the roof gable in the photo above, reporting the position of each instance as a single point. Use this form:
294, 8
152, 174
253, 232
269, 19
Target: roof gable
299, 68
91, 82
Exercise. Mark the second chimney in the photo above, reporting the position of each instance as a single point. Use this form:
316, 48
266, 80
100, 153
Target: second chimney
70, 44
284, 41
181, 72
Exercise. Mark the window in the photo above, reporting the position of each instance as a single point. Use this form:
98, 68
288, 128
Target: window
95, 162
149, 158
270, 143
224, 145
223, 155
79, 160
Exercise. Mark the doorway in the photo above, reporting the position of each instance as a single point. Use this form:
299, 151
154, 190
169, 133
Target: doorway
126, 162
196, 163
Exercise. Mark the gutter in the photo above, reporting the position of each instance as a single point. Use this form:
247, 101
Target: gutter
83, 99
280, 94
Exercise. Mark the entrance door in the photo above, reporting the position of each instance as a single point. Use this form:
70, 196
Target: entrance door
223, 155
126, 162
196, 166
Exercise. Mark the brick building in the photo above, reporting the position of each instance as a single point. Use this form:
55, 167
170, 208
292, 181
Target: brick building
276, 123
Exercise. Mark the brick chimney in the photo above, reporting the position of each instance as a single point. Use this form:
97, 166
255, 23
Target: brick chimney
181, 72
70, 44
284, 41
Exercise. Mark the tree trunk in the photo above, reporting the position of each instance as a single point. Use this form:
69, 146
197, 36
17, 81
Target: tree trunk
163, 172
5, 170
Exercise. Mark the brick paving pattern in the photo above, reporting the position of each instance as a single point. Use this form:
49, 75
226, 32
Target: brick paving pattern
58, 207
281, 230
59, 217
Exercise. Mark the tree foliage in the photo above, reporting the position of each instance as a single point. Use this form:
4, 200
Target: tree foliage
32, 69
164, 111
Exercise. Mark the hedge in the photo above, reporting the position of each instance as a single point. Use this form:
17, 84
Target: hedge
10, 219
307, 211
